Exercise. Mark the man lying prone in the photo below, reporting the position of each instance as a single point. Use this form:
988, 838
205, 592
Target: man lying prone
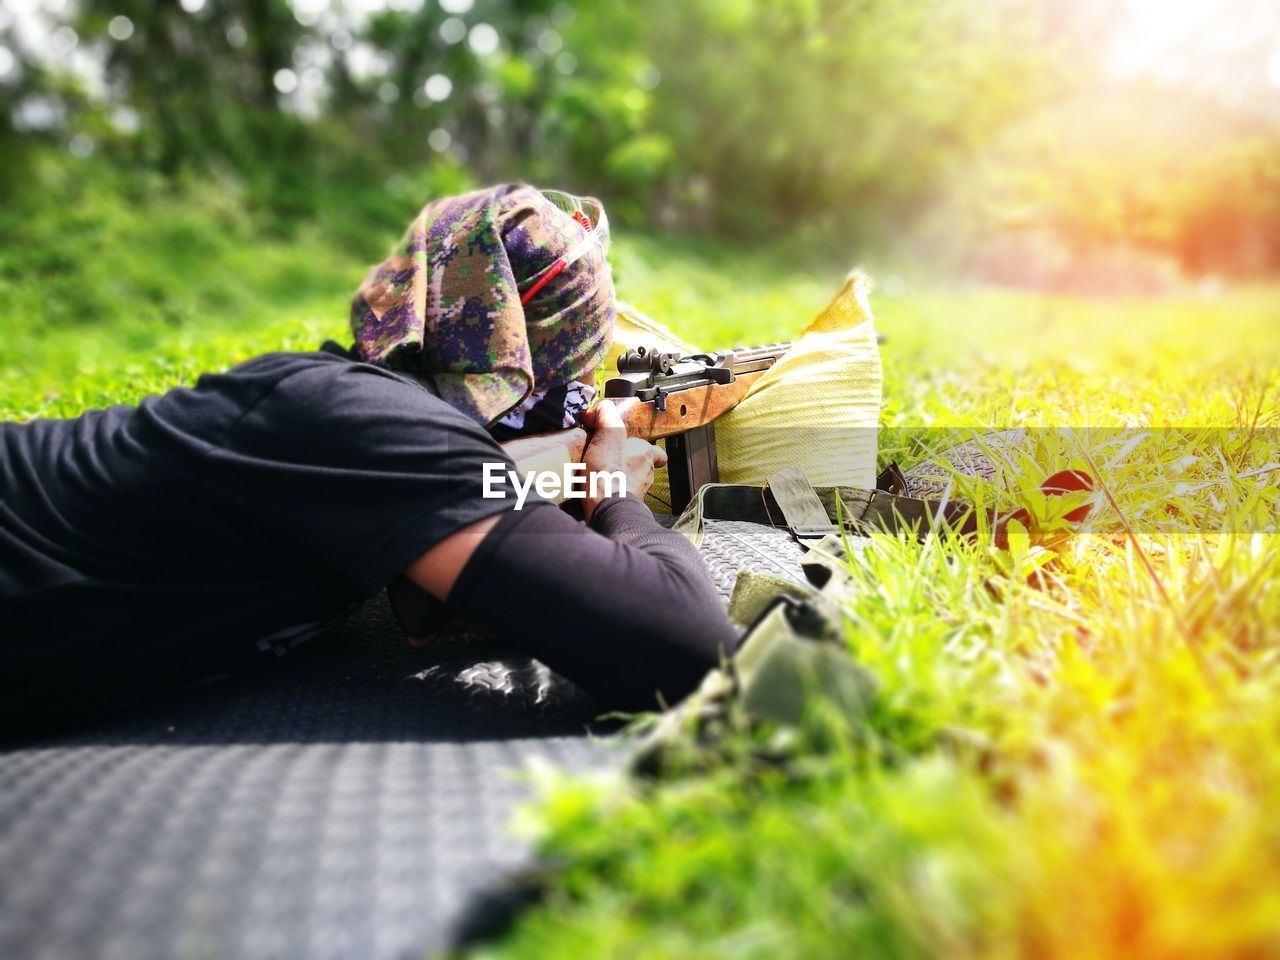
258, 506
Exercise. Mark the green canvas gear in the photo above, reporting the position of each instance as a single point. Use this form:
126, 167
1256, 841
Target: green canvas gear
790, 661
754, 592
789, 665
783, 668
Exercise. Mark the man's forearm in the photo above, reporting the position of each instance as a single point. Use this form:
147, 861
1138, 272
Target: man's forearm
626, 609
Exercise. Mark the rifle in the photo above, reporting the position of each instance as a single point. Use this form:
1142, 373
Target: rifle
680, 398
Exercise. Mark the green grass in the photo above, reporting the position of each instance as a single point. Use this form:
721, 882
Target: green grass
1078, 763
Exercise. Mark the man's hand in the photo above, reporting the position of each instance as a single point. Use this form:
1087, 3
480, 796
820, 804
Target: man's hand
557, 443
547, 451
610, 449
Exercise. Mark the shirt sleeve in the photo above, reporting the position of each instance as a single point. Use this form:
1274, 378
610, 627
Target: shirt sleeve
359, 471
624, 608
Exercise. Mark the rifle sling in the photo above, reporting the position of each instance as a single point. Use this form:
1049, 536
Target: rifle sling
806, 517
862, 510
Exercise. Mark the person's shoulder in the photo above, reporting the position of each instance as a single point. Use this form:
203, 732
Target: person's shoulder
339, 373
282, 363
307, 371
334, 386
252, 379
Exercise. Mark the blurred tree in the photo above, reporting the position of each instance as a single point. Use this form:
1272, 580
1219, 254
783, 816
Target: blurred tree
201, 77
835, 114
755, 118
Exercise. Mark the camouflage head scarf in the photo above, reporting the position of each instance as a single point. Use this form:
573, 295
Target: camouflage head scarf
445, 306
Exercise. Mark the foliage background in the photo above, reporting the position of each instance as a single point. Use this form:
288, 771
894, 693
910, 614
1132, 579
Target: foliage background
846, 129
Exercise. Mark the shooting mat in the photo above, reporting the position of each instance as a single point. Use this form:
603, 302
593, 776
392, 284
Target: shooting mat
352, 800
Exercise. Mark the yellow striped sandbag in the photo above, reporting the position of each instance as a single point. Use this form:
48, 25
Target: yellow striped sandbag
818, 407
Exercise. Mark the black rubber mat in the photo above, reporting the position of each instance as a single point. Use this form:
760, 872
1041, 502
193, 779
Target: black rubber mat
352, 799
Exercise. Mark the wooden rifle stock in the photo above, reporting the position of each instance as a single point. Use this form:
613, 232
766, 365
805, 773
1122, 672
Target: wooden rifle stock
688, 410
680, 399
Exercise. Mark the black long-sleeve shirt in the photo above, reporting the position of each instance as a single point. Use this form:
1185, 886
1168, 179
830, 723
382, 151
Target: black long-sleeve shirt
625, 609
259, 505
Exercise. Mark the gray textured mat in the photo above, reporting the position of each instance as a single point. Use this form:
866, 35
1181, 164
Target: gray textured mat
353, 800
